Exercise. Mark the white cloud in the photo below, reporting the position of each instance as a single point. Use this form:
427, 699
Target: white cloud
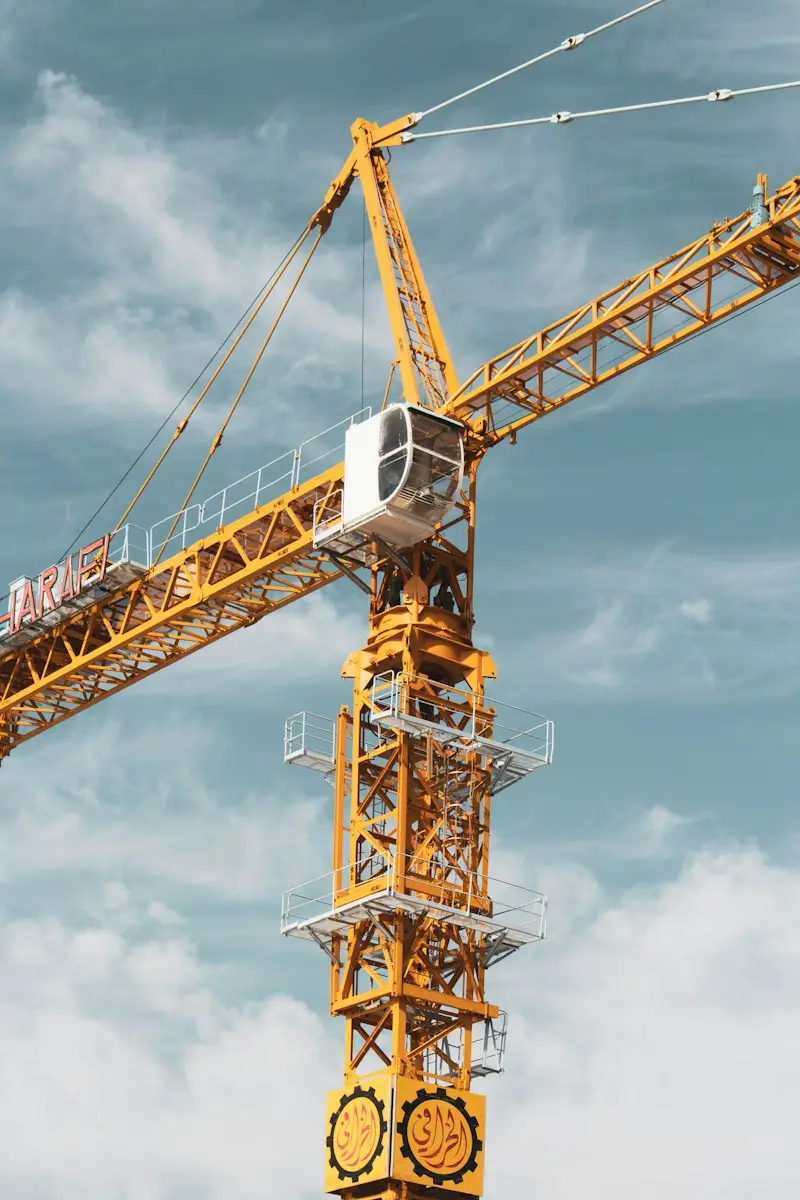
94, 1105
657, 829
164, 248
659, 1048
567, 870
163, 258
308, 640
658, 1045
701, 610
146, 803
674, 624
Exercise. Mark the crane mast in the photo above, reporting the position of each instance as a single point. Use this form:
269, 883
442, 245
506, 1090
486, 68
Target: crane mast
409, 899
409, 917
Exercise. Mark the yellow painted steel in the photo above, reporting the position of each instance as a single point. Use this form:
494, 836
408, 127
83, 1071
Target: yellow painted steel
229, 580
707, 281
412, 807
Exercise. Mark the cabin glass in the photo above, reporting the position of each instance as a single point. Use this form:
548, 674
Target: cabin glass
393, 451
391, 470
394, 431
433, 468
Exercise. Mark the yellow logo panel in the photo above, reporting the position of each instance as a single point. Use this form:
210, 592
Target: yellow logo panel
357, 1144
438, 1137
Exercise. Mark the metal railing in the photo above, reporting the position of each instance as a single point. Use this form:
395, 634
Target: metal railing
442, 1061
432, 886
327, 514
459, 713
142, 547
267, 483
489, 1046
309, 739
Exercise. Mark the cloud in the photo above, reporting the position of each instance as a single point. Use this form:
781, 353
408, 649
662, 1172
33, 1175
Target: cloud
96, 1105
146, 802
569, 870
656, 1043
159, 256
669, 624
659, 1047
309, 640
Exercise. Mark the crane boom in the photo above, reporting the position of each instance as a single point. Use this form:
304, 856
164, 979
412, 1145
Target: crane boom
266, 559
738, 262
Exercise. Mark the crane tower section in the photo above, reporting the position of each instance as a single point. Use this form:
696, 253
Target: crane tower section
410, 917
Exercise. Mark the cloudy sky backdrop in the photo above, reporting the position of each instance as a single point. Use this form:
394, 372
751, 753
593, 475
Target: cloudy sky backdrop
639, 581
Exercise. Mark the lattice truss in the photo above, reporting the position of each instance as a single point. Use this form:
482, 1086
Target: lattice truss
427, 349
440, 795
245, 570
737, 262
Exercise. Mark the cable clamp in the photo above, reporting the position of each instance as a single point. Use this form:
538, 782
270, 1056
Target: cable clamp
572, 43
720, 94
561, 118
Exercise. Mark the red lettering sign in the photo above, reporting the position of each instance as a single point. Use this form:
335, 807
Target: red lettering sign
36, 599
27, 608
48, 578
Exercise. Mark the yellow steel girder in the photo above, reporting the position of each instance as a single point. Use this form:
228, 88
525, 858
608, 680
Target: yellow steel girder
248, 568
708, 281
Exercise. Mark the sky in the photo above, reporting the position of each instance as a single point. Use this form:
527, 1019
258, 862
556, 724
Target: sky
637, 581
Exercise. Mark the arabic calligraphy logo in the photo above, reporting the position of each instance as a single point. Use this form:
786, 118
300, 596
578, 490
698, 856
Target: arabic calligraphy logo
439, 1137
358, 1129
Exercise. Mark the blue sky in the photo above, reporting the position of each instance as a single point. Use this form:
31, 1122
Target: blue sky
638, 576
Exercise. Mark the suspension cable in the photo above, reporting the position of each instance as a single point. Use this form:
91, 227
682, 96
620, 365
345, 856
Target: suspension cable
264, 295
570, 43
564, 118
216, 441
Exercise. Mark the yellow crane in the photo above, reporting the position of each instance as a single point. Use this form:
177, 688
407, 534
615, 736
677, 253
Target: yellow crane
409, 917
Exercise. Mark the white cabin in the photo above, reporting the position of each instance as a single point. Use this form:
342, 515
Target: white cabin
402, 474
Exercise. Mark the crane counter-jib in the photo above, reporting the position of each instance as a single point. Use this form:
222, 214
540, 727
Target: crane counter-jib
251, 566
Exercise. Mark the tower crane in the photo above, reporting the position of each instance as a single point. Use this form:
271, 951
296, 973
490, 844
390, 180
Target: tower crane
409, 917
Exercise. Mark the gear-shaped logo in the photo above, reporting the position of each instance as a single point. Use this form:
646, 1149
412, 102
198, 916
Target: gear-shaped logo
439, 1136
357, 1133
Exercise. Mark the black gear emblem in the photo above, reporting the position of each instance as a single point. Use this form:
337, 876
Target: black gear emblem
445, 1164
352, 1151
